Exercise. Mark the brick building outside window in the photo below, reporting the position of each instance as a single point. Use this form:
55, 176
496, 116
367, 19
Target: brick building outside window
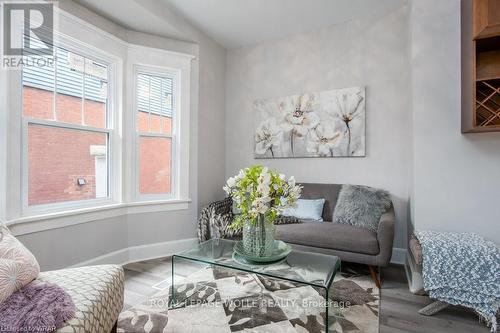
67, 111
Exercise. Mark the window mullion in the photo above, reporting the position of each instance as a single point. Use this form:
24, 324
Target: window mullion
82, 111
155, 135
57, 124
54, 95
149, 103
161, 105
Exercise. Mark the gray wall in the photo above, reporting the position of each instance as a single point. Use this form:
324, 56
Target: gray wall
63, 247
456, 182
371, 52
450, 176
211, 123
67, 246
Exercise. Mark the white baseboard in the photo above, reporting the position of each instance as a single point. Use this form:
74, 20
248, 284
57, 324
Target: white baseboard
165, 249
398, 256
141, 252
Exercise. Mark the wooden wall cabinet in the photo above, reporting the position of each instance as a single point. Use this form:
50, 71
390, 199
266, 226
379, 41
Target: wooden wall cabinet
480, 65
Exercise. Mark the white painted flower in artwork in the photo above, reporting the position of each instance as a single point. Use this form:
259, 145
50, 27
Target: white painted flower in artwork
301, 118
326, 123
323, 139
267, 135
347, 107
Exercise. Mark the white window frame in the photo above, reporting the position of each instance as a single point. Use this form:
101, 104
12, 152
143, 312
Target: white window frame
111, 129
161, 63
77, 35
175, 76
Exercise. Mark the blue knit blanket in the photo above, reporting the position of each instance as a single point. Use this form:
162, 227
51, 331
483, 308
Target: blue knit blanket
462, 269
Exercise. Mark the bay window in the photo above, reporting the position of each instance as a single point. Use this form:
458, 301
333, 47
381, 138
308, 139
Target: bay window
101, 132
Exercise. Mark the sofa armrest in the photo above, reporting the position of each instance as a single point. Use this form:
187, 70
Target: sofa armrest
385, 237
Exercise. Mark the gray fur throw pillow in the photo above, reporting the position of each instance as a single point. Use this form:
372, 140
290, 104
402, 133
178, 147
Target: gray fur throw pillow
361, 206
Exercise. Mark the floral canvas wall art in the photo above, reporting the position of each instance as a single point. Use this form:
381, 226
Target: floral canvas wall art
321, 124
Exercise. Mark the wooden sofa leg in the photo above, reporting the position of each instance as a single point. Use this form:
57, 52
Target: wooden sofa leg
375, 278
113, 330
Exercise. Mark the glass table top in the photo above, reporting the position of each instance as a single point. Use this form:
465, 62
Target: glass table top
303, 267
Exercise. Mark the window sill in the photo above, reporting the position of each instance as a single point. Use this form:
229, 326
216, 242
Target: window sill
37, 223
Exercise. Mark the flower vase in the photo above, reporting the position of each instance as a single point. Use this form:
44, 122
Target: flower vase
258, 237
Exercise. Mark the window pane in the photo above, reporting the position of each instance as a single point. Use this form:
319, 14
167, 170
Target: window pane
155, 165
167, 105
38, 91
143, 122
69, 87
96, 94
66, 165
166, 126
155, 104
156, 123
71, 77
143, 102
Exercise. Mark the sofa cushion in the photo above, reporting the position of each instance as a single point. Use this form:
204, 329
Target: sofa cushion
361, 206
309, 209
329, 192
330, 236
97, 292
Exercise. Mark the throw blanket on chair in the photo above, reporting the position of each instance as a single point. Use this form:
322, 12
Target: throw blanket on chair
36, 307
462, 269
216, 218
214, 221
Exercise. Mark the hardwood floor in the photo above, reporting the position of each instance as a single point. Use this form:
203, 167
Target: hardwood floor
140, 277
398, 310
398, 307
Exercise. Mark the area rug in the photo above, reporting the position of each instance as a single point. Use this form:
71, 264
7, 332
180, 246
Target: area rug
219, 300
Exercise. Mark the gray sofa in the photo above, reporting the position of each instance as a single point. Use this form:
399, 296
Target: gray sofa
349, 243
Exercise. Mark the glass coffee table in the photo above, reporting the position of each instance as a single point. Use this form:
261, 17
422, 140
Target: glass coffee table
307, 268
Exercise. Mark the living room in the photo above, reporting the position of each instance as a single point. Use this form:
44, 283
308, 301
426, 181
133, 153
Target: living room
332, 162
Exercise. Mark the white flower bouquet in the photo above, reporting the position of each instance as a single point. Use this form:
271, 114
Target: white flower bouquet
261, 193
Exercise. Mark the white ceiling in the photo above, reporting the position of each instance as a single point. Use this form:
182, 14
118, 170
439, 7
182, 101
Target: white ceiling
235, 23
140, 16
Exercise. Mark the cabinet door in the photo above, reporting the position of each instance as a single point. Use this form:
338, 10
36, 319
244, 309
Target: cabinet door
486, 15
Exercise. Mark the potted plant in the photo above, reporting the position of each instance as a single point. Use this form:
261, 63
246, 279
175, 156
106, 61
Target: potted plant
261, 195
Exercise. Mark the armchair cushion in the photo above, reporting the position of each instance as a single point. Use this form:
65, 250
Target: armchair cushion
18, 266
97, 292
